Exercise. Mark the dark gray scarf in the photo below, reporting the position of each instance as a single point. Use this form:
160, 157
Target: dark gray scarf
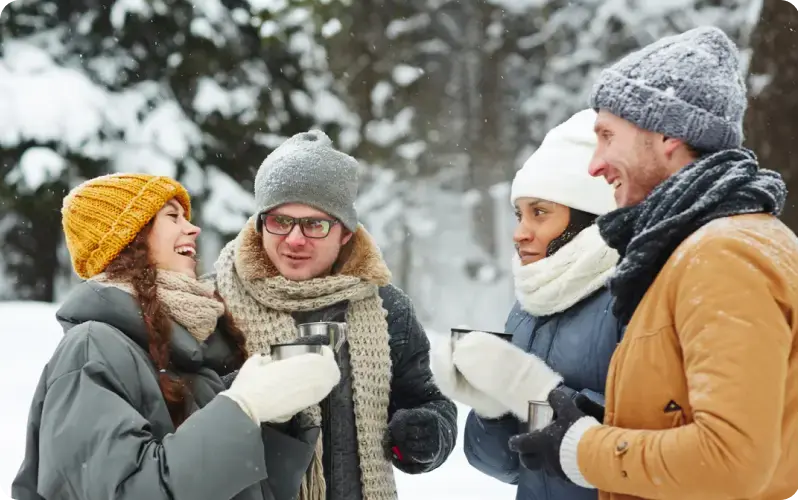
645, 235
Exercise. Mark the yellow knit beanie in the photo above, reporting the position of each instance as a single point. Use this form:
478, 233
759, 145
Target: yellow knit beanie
103, 215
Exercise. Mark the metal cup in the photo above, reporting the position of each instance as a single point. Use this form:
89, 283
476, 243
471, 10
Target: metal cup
286, 351
335, 332
540, 415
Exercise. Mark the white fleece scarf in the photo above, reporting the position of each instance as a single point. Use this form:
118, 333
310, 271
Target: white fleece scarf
556, 283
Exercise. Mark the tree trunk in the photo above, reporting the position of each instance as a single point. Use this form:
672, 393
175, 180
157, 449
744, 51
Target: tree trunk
485, 123
771, 122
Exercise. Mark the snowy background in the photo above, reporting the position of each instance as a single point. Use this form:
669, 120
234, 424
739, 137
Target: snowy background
441, 101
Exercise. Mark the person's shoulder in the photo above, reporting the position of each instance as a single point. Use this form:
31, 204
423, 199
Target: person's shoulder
751, 236
395, 300
754, 252
90, 343
760, 227
400, 314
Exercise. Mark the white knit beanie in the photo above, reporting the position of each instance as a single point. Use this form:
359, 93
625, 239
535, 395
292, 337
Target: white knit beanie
559, 170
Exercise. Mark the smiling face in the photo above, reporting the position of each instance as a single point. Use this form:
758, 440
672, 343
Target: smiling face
539, 223
299, 257
634, 160
172, 240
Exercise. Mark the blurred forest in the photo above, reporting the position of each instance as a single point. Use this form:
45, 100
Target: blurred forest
442, 101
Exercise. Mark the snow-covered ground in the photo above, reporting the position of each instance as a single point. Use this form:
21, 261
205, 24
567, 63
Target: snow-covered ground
30, 334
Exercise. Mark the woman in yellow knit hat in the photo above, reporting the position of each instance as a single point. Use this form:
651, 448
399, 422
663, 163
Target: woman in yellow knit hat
132, 404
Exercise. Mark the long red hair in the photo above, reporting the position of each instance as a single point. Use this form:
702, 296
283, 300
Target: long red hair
133, 265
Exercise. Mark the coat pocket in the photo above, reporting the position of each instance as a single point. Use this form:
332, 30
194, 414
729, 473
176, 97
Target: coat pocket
674, 415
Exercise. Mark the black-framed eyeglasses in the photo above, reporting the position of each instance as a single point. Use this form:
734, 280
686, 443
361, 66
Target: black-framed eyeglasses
311, 227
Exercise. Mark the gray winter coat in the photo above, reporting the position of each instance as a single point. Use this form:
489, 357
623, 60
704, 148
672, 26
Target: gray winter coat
578, 344
99, 427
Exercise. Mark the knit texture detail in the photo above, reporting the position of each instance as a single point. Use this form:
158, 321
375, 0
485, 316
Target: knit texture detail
558, 282
307, 169
686, 86
720, 185
189, 302
103, 215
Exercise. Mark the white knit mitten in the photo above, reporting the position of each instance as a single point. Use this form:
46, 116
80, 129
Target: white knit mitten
454, 386
512, 376
274, 391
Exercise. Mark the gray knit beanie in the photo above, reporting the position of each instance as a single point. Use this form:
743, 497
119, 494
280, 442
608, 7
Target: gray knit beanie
307, 169
685, 86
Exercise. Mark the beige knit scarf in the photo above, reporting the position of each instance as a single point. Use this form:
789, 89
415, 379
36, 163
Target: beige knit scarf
187, 301
261, 302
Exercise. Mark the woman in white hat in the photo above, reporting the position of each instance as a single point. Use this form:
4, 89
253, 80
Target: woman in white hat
564, 332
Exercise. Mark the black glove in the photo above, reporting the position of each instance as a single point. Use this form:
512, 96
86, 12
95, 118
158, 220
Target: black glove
412, 440
541, 449
590, 407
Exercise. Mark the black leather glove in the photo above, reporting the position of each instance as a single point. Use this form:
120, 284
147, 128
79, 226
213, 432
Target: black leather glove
541, 449
412, 440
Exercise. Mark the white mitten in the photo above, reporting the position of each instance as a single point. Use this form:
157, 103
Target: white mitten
271, 391
510, 375
454, 386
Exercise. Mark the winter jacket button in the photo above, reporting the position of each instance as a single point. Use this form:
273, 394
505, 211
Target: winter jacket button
622, 447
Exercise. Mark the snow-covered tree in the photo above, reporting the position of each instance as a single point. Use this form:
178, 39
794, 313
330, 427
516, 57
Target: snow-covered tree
442, 101
195, 90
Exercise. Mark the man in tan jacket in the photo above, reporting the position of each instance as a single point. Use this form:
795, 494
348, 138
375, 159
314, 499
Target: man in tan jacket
701, 395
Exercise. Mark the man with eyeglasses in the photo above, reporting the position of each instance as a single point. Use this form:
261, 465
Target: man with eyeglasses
303, 257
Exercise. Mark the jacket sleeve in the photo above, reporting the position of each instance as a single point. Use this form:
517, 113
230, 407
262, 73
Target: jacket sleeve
412, 381
486, 446
736, 343
24, 486
93, 444
287, 456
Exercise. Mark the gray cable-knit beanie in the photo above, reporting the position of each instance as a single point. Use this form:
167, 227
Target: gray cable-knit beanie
307, 169
685, 86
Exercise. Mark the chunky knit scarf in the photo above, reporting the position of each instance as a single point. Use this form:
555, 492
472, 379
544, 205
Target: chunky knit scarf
645, 235
261, 302
187, 301
572, 273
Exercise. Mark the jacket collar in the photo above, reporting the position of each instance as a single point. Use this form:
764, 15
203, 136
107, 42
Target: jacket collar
93, 301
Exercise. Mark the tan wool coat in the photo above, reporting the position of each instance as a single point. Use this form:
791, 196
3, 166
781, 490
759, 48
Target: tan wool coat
701, 395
